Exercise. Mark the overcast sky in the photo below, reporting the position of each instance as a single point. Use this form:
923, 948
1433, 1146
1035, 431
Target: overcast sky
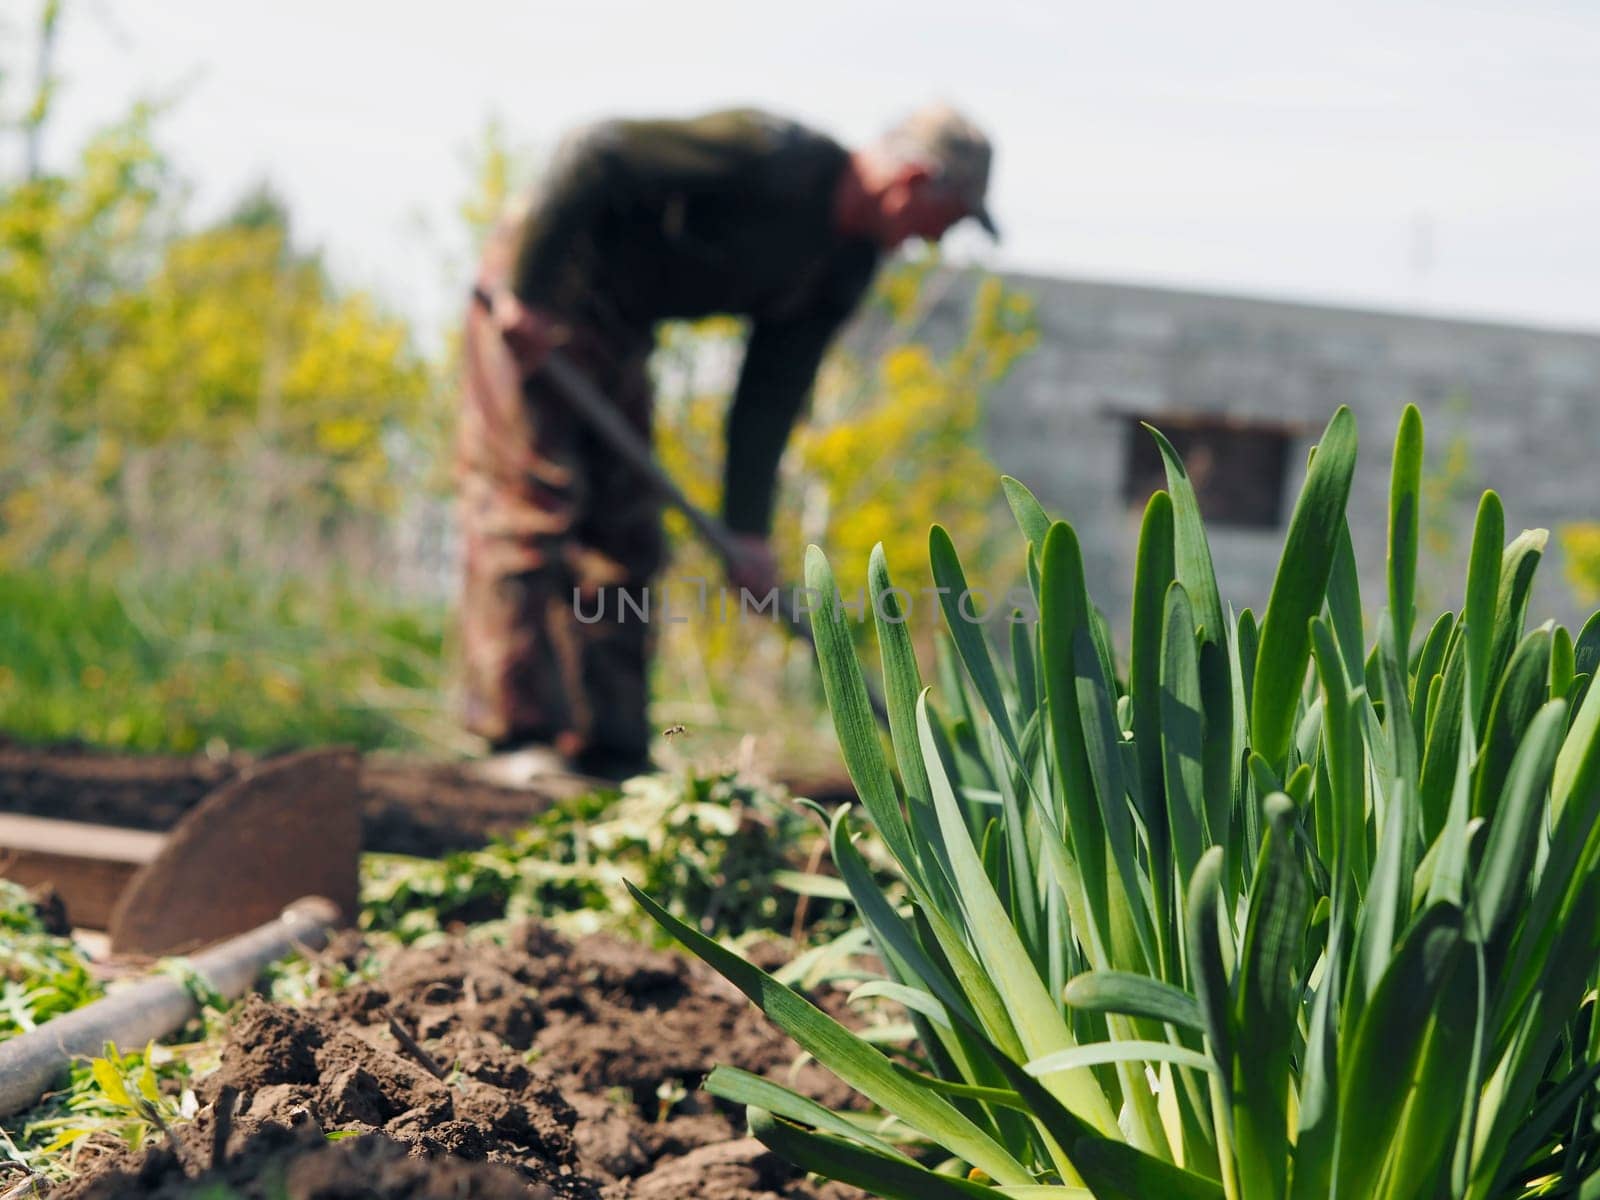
1390, 153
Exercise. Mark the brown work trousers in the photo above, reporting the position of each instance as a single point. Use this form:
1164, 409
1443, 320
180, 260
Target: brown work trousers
549, 517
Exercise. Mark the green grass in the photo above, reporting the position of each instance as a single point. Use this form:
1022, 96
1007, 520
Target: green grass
172, 664
175, 664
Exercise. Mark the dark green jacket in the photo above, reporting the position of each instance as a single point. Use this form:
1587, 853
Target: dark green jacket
644, 221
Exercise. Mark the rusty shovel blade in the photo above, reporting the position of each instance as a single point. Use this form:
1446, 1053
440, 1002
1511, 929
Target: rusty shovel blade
286, 828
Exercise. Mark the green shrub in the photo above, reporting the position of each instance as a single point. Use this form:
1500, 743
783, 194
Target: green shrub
42, 974
1277, 913
710, 844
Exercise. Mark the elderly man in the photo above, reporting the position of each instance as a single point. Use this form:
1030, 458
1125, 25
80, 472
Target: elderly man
638, 222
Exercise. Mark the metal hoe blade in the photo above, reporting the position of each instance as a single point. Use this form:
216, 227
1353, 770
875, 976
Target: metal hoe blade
288, 828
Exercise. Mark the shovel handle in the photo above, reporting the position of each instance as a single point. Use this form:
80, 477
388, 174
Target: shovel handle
156, 1006
584, 398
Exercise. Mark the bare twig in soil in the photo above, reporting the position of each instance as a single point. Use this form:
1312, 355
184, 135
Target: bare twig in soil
222, 1123
153, 1114
708, 922
803, 904
31, 1184
410, 1046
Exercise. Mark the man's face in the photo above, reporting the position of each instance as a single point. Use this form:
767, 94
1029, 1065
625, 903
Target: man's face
916, 205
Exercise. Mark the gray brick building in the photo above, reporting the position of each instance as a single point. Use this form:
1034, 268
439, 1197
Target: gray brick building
1246, 385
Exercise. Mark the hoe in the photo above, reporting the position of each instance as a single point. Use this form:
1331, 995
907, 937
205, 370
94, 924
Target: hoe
287, 828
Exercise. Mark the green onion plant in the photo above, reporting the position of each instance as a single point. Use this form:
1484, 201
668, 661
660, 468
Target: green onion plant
1295, 907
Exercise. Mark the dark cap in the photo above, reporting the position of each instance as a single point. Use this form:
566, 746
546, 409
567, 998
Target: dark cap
956, 149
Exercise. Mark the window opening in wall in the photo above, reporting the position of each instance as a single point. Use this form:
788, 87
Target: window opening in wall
1239, 468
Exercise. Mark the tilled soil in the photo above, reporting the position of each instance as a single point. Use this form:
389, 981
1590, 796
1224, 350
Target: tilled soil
530, 1069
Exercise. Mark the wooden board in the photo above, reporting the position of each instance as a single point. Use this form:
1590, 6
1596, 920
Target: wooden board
87, 865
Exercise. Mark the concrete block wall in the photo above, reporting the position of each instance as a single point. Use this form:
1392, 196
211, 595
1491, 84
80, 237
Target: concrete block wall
1524, 401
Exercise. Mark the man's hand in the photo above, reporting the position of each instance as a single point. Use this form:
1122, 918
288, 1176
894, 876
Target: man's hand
530, 333
754, 568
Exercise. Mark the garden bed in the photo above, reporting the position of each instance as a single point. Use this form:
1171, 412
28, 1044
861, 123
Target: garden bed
540, 1067
459, 1044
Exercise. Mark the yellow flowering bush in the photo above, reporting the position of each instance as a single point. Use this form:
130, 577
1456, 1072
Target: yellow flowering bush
156, 379
1580, 547
891, 443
